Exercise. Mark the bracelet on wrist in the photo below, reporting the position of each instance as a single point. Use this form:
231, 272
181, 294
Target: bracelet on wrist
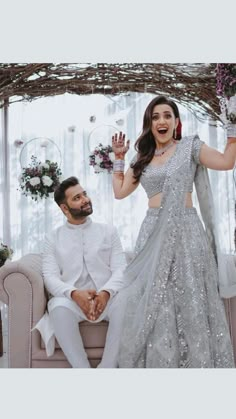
231, 129
118, 166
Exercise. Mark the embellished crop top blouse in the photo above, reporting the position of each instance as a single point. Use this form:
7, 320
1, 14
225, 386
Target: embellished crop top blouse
153, 177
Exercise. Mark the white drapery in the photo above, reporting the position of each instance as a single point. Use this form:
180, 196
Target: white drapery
66, 120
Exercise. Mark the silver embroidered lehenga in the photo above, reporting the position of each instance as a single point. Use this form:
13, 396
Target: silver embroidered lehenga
174, 316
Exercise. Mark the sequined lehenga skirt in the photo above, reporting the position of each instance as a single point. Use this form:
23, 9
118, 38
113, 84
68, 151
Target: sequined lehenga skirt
183, 325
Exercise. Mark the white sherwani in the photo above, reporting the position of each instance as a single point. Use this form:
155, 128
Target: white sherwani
81, 256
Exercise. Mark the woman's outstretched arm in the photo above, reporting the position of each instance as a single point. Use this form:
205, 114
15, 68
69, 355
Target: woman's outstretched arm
216, 160
123, 184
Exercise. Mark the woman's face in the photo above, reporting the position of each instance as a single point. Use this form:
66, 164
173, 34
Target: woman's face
163, 123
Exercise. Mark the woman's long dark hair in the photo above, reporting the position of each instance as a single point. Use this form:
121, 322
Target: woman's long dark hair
145, 144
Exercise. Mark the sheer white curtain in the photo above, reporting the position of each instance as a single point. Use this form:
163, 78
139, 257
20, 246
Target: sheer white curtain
66, 120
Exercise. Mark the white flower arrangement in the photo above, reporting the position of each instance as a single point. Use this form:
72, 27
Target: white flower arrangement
102, 159
39, 180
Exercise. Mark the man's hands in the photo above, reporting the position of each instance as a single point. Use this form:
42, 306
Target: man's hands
91, 302
84, 299
100, 302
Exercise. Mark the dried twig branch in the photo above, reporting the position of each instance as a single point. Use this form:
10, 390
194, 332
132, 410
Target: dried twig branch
193, 85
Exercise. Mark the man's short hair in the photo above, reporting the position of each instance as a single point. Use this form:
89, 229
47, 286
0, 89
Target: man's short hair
59, 193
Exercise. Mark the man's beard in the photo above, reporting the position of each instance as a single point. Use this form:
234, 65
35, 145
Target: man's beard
80, 213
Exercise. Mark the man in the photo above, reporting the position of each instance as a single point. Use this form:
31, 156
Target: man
83, 266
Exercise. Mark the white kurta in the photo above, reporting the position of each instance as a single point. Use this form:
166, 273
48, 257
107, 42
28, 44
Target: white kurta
76, 254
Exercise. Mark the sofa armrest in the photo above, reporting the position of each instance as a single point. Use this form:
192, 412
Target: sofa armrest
22, 289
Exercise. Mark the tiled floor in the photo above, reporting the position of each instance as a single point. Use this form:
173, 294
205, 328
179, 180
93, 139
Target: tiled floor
4, 314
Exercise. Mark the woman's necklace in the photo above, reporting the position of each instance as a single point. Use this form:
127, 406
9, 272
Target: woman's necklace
161, 151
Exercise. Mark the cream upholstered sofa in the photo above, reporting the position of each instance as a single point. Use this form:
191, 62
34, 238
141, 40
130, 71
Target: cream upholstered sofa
22, 289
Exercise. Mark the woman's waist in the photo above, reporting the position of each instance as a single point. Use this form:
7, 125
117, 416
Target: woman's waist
153, 211
155, 201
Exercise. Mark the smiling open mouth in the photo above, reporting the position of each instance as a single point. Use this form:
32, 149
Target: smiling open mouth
162, 130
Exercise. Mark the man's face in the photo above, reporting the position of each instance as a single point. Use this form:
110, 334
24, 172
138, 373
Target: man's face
78, 205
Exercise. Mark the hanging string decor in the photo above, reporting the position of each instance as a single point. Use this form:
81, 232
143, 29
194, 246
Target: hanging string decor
40, 175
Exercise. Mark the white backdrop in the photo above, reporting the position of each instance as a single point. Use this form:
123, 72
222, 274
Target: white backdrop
66, 120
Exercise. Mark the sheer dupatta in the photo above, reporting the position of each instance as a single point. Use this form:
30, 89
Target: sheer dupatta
226, 264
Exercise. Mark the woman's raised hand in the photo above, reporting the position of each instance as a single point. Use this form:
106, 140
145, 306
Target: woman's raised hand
119, 146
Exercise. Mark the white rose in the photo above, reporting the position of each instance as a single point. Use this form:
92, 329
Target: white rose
34, 181
112, 156
98, 160
45, 166
97, 169
47, 181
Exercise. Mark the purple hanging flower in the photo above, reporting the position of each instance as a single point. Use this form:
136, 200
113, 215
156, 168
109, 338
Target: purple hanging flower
226, 80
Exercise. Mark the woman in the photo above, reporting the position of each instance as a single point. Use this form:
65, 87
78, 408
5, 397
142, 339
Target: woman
174, 316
